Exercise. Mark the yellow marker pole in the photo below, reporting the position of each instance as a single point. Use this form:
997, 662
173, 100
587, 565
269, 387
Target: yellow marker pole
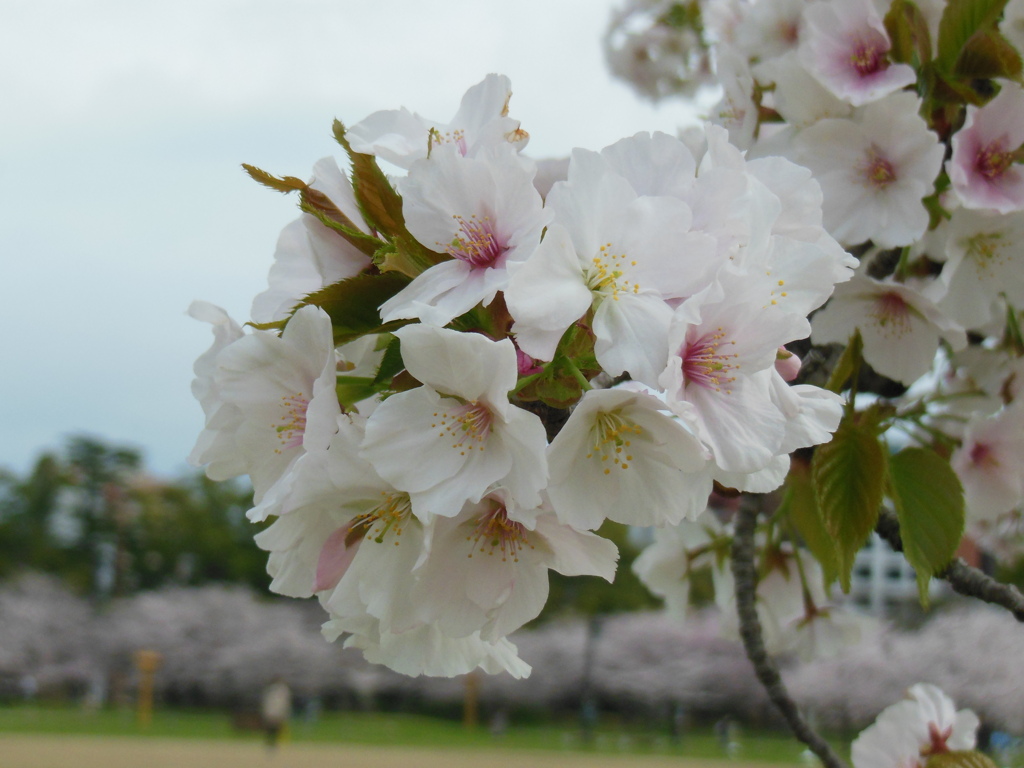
147, 663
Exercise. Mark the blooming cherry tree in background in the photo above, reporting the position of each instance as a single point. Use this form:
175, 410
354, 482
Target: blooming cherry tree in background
459, 372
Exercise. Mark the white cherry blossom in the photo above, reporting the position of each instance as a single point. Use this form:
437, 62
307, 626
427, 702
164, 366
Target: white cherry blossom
621, 457
843, 43
482, 211
487, 570
874, 170
905, 734
990, 463
984, 261
621, 253
449, 440
402, 137
900, 327
722, 347
983, 170
283, 391
667, 565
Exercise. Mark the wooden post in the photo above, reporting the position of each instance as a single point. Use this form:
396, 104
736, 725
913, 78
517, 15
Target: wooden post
470, 705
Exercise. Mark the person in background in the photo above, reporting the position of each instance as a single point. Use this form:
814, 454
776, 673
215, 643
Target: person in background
276, 709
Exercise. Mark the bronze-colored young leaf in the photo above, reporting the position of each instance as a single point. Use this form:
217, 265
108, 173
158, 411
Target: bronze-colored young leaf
929, 503
284, 184
379, 203
800, 506
961, 20
848, 474
318, 204
988, 54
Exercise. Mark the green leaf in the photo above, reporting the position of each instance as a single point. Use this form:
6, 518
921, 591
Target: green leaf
848, 365
284, 184
353, 304
960, 759
848, 474
352, 389
801, 507
908, 31
391, 363
960, 21
929, 503
988, 54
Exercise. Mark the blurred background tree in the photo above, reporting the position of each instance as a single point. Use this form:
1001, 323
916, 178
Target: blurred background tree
93, 517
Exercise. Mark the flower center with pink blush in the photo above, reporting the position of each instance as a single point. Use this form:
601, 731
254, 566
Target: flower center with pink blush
877, 171
891, 314
707, 364
496, 533
982, 455
993, 160
467, 425
868, 58
477, 243
292, 426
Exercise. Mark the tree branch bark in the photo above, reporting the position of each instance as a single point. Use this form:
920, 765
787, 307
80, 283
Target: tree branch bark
744, 572
962, 577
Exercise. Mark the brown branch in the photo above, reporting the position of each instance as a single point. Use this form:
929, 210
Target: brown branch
962, 577
745, 575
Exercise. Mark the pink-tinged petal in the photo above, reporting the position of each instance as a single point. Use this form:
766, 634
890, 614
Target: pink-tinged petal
845, 46
335, 557
982, 169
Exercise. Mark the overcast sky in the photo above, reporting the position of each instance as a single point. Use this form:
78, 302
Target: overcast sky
124, 124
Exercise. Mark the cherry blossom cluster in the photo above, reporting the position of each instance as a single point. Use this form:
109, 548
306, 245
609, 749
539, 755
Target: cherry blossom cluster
386, 401
918, 150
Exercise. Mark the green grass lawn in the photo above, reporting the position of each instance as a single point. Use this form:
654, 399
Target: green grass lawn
384, 729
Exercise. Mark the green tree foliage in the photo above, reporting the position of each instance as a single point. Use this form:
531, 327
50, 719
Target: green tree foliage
91, 516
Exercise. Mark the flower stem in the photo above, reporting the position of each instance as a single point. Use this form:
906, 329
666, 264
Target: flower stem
576, 374
753, 642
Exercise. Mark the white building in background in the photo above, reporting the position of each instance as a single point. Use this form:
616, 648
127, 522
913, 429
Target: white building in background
883, 580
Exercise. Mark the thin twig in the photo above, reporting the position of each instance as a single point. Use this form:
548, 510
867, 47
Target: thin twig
750, 630
962, 577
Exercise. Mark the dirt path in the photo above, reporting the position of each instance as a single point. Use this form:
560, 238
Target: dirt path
100, 752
